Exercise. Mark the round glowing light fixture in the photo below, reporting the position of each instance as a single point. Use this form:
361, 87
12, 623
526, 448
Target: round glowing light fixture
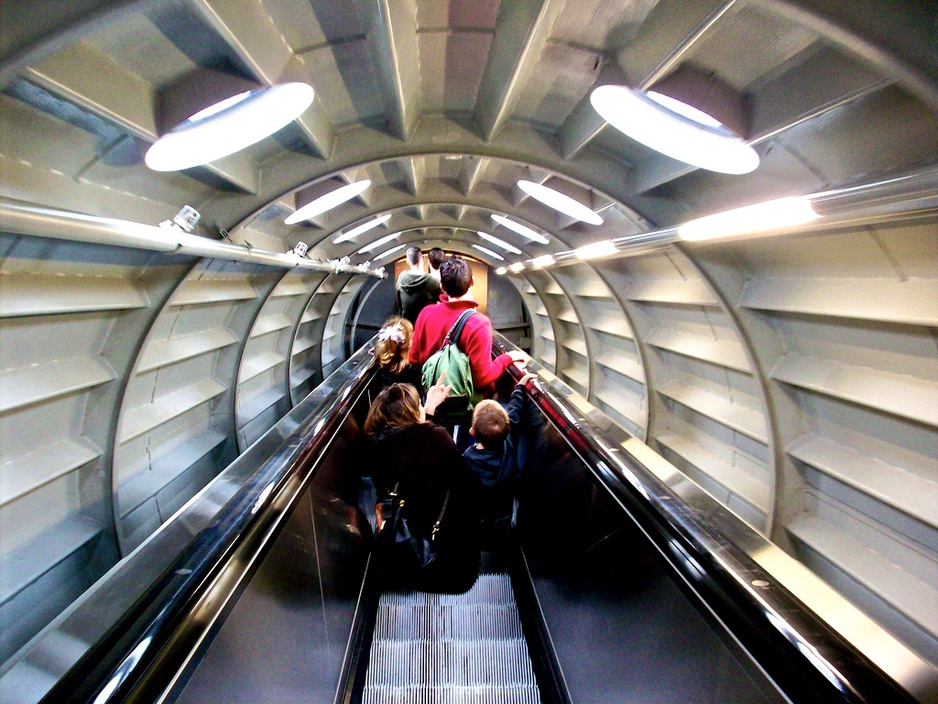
229, 126
560, 202
522, 230
498, 243
516, 267
690, 116
501, 271
364, 227
760, 217
327, 201
486, 250
542, 261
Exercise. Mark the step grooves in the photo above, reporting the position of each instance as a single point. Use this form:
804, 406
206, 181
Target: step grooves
451, 649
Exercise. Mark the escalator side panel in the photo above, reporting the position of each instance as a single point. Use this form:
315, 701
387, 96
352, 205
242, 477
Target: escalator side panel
286, 637
621, 628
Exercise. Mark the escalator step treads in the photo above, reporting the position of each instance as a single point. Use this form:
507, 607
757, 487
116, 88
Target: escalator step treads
452, 695
488, 589
451, 663
422, 622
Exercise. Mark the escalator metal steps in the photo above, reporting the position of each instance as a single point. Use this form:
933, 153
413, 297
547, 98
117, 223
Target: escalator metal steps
451, 649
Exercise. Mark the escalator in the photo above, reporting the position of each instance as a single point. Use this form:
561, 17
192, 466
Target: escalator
609, 589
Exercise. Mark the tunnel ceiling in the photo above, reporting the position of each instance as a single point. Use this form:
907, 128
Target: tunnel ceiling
791, 376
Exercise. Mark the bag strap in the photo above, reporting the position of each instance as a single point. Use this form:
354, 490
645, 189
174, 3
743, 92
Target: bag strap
436, 526
452, 337
439, 520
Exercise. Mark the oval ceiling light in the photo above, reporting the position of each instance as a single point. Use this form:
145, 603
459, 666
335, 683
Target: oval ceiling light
486, 250
498, 243
501, 271
522, 230
389, 252
542, 261
229, 126
690, 116
516, 267
560, 202
377, 243
364, 227
326, 201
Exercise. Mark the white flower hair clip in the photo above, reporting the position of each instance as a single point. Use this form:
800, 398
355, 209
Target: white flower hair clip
392, 332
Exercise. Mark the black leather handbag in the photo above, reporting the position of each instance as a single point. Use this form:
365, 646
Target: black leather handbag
405, 555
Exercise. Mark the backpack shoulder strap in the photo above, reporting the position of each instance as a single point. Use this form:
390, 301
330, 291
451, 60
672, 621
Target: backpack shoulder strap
452, 337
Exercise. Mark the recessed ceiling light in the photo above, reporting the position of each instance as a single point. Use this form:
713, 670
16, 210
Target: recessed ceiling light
328, 201
544, 260
760, 217
388, 252
488, 251
559, 202
597, 249
522, 230
498, 243
377, 243
674, 131
501, 271
229, 126
516, 267
355, 232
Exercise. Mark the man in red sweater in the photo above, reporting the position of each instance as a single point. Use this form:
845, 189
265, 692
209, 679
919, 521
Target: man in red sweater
435, 321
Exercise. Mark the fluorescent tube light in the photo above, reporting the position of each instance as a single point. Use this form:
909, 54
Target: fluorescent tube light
597, 249
522, 230
328, 201
488, 251
560, 202
355, 232
229, 126
663, 126
760, 217
542, 261
498, 243
377, 243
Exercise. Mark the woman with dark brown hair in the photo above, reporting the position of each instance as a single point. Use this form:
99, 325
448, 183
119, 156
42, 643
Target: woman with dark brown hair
418, 457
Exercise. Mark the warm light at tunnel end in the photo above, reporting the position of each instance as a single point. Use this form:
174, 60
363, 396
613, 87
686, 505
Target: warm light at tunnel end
752, 219
229, 126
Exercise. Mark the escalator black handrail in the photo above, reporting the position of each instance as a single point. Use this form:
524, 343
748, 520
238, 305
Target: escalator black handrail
144, 618
802, 653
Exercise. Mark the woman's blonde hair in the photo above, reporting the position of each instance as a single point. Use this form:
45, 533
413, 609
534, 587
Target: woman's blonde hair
397, 406
393, 344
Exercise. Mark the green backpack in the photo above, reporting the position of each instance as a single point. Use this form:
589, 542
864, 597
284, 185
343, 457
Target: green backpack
457, 408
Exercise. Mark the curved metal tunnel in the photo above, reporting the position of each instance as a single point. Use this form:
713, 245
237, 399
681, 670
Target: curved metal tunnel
793, 376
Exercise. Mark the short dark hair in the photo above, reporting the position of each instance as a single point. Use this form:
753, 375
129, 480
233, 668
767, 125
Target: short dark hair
436, 256
455, 276
414, 256
490, 423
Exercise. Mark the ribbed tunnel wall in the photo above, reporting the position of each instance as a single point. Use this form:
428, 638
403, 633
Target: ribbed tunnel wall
792, 376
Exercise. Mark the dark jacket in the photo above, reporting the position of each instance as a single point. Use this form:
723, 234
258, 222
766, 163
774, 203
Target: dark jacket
425, 461
499, 467
415, 292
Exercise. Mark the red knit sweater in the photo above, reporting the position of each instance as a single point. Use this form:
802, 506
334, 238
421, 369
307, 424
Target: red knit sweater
476, 340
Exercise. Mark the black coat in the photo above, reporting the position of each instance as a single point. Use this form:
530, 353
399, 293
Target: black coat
425, 462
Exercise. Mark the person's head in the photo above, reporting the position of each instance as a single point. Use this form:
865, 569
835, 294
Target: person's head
414, 257
489, 423
397, 406
455, 276
435, 257
393, 344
